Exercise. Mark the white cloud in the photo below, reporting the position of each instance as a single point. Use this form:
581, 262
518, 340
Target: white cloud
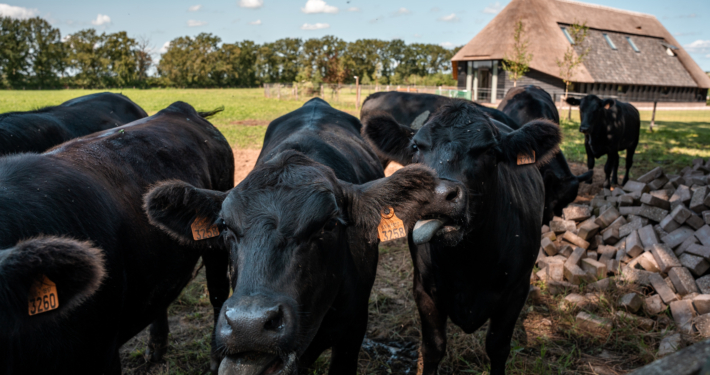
353, 9
315, 26
450, 18
402, 12
417, 35
101, 19
7, 10
164, 48
195, 23
698, 46
257, 22
318, 6
493, 8
253, 4
448, 45
194, 8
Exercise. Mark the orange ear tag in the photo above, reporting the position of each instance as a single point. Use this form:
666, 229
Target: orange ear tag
391, 227
43, 296
202, 229
524, 159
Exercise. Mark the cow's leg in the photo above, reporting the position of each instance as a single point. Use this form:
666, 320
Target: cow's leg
615, 169
158, 341
629, 162
501, 327
590, 155
114, 368
433, 346
608, 168
216, 263
347, 349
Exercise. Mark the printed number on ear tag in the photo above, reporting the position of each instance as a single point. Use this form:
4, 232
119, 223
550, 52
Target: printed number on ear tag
526, 159
202, 229
43, 296
391, 227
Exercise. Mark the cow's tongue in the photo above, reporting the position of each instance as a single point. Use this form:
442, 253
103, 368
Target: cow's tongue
256, 364
424, 230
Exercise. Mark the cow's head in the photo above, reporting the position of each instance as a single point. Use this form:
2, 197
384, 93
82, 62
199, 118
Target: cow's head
463, 145
593, 112
289, 227
76, 268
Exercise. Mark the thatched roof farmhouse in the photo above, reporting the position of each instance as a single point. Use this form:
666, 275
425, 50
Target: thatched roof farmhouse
631, 55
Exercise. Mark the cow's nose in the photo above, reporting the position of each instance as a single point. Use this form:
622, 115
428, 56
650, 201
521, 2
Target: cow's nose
258, 325
452, 193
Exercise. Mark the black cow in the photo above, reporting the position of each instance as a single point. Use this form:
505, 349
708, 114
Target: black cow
609, 126
528, 103
302, 232
480, 270
39, 130
74, 215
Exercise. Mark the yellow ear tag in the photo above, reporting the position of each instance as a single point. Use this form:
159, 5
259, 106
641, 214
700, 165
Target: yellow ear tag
202, 229
391, 227
524, 159
43, 296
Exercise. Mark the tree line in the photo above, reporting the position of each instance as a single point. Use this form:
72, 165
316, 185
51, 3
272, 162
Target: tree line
34, 55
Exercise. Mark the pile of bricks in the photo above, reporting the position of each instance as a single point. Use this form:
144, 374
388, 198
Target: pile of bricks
653, 231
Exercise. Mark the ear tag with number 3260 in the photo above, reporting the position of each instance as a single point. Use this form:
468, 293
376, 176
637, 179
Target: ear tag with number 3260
391, 227
202, 229
42, 296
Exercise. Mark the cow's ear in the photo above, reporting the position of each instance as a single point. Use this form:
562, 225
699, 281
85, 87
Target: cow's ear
608, 103
174, 206
406, 191
389, 138
572, 101
75, 268
542, 137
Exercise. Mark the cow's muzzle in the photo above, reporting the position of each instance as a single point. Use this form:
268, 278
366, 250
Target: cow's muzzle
445, 214
258, 364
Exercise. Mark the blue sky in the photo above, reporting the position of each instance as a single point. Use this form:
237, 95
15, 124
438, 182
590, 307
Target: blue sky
449, 23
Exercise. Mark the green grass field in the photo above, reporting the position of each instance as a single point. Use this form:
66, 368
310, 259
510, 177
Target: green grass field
678, 137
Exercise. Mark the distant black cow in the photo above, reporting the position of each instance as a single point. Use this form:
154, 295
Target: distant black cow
478, 269
302, 233
609, 126
39, 130
74, 215
528, 103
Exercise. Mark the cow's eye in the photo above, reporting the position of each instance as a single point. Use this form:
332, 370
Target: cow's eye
331, 224
415, 148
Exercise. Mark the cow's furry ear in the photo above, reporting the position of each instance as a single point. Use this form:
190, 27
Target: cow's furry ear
389, 138
173, 206
75, 267
608, 103
541, 136
572, 101
406, 190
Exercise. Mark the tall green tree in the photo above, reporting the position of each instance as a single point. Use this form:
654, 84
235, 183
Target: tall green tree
14, 52
47, 53
87, 59
519, 62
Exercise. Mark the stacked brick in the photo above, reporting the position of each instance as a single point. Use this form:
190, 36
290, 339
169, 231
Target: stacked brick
653, 231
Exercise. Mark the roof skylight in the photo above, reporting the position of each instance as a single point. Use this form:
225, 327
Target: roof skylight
608, 40
564, 31
632, 44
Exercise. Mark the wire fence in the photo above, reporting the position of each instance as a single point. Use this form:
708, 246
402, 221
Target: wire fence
350, 96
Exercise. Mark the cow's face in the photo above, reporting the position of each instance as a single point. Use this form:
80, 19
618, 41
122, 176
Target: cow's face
464, 146
288, 228
594, 113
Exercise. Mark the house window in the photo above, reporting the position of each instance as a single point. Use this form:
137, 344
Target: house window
569, 38
622, 89
632, 44
608, 41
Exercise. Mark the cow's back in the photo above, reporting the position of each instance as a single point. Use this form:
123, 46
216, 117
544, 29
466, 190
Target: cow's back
39, 130
528, 103
326, 135
405, 107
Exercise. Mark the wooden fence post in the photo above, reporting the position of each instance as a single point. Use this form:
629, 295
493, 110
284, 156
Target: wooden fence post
278, 91
653, 116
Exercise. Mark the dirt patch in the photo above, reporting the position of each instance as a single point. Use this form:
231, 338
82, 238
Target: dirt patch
244, 160
250, 122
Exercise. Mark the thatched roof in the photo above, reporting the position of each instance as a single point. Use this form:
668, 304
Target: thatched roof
542, 20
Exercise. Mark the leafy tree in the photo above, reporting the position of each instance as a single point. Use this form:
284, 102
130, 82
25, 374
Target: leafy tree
519, 63
15, 52
144, 59
122, 66
573, 57
87, 59
47, 53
